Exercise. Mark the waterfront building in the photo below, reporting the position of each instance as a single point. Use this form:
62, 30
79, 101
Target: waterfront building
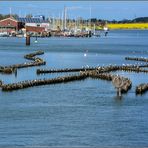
35, 22
16, 25
10, 25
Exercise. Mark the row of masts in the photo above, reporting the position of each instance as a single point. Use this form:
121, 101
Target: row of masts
64, 21
77, 21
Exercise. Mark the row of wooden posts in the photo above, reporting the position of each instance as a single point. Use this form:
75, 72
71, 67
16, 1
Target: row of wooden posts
104, 69
121, 84
36, 61
81, 76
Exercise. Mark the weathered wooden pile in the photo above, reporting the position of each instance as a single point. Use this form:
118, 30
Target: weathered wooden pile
7, 70
127, 84
36, 62
142, 88
1, 83
137, 59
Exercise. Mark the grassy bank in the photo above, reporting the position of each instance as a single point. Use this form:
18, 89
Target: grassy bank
129, 26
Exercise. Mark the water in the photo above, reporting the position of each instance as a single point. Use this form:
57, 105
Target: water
82, 113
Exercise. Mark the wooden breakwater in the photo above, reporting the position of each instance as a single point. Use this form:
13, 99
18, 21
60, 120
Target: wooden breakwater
129, 68
36, 62
31, 56
137, 59
102, 72
136, 69
127, 84
142, 88
43, 71
103, 69
64, 79
31, 83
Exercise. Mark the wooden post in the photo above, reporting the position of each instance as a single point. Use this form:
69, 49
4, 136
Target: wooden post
27, 40
89, 34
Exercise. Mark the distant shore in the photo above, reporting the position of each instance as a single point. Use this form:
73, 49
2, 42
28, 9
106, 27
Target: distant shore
141, 26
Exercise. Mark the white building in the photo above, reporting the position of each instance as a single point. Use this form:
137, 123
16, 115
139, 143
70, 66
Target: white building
35, 22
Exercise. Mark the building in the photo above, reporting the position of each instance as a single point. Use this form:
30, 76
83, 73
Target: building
16, 25
35, 29
10, 25
42, 17
35, 22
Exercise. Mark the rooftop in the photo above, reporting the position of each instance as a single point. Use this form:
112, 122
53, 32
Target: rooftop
31, 20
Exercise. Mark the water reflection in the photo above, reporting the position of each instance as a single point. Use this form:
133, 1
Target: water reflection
119, 99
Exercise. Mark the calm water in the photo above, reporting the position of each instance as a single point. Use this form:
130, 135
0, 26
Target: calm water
83, 113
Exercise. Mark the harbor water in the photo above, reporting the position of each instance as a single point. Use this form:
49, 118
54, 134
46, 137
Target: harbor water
80, 113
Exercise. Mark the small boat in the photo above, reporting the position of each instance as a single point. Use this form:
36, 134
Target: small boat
4, 34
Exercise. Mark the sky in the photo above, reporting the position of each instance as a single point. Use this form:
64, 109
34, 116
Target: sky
109, 10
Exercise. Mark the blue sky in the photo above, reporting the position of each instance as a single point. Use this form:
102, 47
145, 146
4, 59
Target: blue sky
99, 9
